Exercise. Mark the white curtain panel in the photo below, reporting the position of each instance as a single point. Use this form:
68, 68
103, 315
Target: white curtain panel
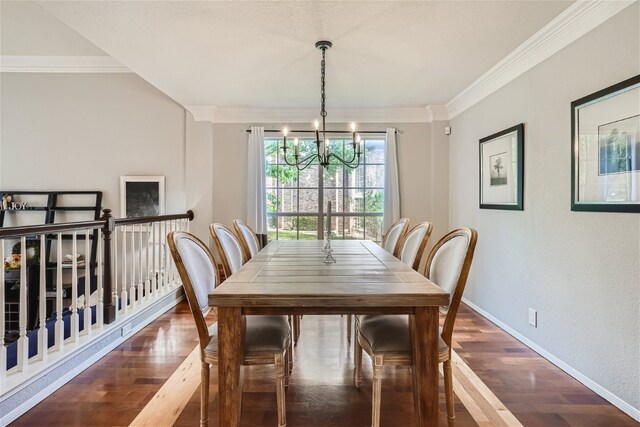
391, 181
256, 182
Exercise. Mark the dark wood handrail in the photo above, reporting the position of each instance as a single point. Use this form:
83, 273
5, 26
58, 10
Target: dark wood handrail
148, 219
31, 230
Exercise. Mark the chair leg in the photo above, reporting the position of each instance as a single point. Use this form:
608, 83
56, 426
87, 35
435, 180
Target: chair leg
296, 328
286, 368
204, 395
290, 349
448, 391
349, 322
378, 362
280, 397
357, 355
290, 358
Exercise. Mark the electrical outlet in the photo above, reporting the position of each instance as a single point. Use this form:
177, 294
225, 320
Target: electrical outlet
447, 130
126, 329
533, 317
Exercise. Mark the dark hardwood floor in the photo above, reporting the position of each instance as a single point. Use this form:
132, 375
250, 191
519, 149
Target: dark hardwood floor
114, 390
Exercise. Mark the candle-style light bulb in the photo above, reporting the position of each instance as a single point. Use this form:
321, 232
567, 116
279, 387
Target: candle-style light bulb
285, 131
317, 125
353, 135
295, 143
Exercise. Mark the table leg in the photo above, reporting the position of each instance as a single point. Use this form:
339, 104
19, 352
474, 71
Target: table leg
229, 360
424, 334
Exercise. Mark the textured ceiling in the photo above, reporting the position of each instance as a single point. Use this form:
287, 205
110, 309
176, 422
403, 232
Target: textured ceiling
261, 54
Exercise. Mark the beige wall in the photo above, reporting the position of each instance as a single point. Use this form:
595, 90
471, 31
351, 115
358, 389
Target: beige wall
83, 131
422, 178
580, 270
199, 175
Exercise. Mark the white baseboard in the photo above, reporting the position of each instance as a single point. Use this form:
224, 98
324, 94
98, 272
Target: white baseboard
160, 307
586, 381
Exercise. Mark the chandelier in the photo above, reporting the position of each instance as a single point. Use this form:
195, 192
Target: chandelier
323, 152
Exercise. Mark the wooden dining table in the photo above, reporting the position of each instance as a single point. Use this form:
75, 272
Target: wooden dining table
289, 277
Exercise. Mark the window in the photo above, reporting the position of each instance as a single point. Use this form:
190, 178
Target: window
297, 200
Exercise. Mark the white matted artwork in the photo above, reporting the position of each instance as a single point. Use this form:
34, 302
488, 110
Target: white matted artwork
605, 154
141, 196
501, 169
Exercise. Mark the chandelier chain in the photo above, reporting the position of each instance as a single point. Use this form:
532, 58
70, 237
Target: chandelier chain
323, 112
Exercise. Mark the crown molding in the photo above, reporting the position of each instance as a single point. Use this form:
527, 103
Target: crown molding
60, 64
202, 113
576, 21
306, 115
437, 113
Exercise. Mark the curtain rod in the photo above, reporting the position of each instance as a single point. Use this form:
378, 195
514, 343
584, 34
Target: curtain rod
329, 131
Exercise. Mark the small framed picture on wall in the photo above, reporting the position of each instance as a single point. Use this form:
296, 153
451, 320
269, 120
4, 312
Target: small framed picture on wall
141, 196
605, 149
502, 169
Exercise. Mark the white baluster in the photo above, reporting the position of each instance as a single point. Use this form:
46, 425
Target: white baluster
141, 294
59, 341
154, 249
172, 226
75, 326
147, 280
3, 350
167, 265
132, 257
43, 336
100, 305
163, 259
125, 298
167, 258
188, 224
87, 283
23, 341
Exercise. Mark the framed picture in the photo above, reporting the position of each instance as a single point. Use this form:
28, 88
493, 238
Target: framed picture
502, 169
141, 196
605, 149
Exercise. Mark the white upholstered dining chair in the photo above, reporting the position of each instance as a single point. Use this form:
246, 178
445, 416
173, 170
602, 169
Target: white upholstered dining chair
251, 246
232, 256
393, 241
266, 338
248, 238
414, 244
387, 338
228, 248
393, 237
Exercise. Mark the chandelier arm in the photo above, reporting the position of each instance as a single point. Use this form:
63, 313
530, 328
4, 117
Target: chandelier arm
284, 156
348, 164
352, 158
310, 158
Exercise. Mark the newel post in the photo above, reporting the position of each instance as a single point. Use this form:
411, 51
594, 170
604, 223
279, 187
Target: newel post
107, 271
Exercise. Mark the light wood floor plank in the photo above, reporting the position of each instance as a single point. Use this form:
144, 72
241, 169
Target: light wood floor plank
476, 396
167, 404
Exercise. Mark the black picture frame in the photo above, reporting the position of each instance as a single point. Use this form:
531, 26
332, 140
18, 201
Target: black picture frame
513, 192
611, 111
